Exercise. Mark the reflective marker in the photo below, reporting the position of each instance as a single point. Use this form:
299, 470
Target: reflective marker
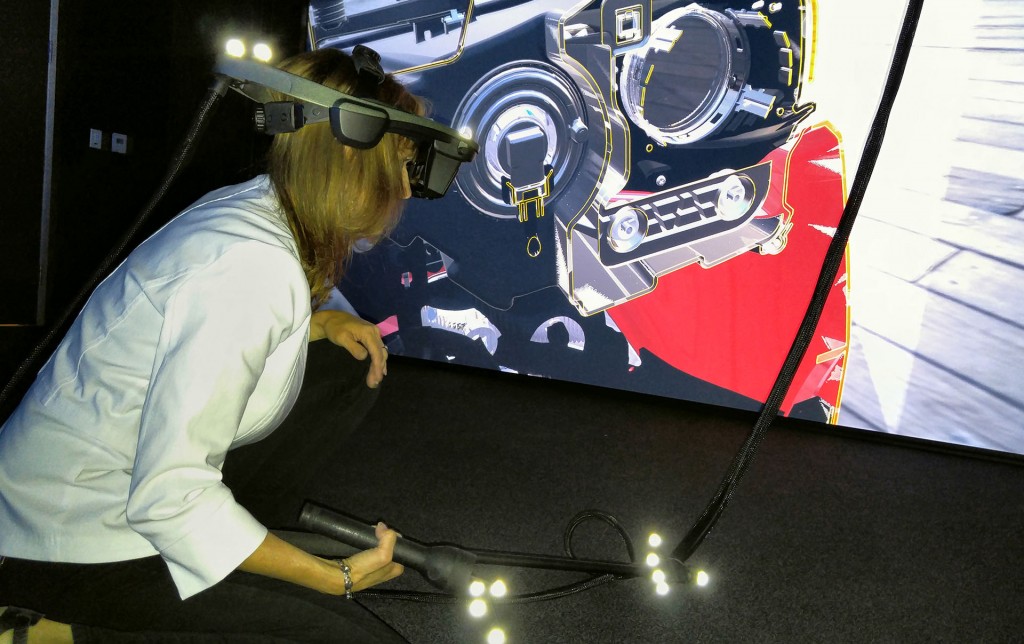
235, 47
654, 540
662, 588
653, 560
498, 589
702, 578
262, 52
477, 588
496, 636
658, 576
478, 608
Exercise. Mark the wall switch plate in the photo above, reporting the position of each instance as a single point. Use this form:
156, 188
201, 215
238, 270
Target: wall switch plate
96, 139
119, 143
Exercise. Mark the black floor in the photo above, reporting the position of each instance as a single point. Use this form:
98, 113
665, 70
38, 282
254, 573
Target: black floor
828, 538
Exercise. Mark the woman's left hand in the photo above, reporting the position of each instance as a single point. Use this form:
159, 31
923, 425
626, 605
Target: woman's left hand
357, 336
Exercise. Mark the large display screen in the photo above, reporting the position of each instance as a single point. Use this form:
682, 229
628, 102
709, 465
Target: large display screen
655, 190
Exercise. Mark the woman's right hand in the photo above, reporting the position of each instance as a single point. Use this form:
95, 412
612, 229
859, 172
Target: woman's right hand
371, 567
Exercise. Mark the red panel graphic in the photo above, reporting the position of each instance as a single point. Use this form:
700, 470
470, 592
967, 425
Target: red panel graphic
733, 324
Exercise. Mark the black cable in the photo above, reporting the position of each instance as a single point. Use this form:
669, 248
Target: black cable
217, 89
523, 598
833, 258
587, 515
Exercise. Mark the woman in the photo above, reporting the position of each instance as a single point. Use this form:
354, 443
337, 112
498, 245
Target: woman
121, 505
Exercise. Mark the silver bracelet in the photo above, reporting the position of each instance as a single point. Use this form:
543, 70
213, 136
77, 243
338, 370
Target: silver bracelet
347, 572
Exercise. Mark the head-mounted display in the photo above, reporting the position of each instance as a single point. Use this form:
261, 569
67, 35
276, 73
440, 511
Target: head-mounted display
357, 122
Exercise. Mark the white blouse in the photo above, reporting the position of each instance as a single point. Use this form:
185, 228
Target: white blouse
194, 345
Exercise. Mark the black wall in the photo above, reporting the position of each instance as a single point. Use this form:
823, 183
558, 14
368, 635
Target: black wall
141, 69
25, 36
138, 68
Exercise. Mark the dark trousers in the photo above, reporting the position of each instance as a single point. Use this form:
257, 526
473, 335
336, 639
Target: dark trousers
136, 601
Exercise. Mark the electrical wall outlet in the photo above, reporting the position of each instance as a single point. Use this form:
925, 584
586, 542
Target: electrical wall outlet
96, 139
119, 143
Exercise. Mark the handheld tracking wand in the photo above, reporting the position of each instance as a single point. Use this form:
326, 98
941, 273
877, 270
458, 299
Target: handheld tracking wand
451, 568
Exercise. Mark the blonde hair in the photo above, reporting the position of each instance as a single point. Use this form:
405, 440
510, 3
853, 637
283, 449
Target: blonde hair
332, 194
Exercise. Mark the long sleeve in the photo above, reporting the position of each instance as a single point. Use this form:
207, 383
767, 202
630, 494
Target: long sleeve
220, 326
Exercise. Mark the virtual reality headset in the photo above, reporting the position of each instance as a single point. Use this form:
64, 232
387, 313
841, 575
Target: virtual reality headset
357, 122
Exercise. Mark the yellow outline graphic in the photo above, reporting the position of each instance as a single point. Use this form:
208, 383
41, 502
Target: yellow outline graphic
458, 50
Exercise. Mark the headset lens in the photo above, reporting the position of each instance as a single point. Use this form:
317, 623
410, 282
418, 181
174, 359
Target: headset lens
359, 125
432, 172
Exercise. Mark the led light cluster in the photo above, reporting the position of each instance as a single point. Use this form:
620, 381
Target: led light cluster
260, 51
658, 576
478, 606
654, 560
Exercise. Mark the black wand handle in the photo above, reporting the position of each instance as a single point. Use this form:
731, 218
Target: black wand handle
444, 566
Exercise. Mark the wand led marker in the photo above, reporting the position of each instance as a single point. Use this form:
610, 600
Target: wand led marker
446, 567
676, 571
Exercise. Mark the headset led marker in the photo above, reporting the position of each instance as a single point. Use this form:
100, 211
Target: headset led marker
235, 47
262, 52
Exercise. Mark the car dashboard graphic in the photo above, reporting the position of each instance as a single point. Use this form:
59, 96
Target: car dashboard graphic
622, 144
602, 127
